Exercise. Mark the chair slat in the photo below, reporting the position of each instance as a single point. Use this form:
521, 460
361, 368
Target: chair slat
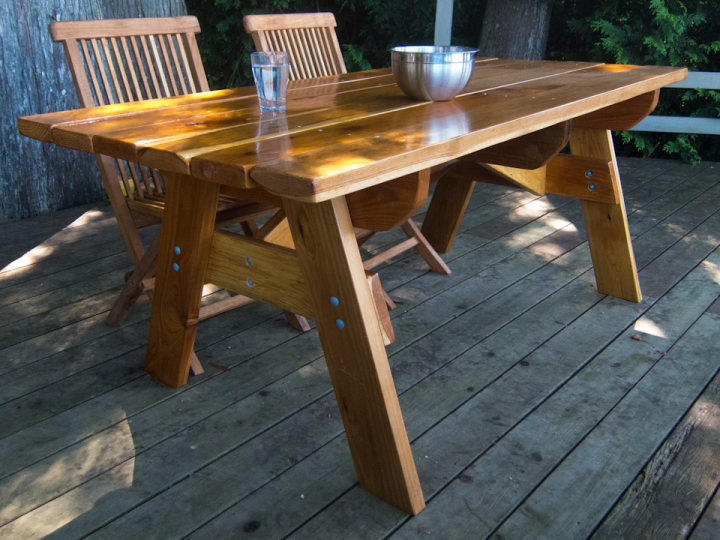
186, 64
159, 65
276, 44
158, 181
150, 67
335, 46
303, 56
327, 46
129, 192
323, 48
139, 176
121, 68
101, 69
128, 167
113, 73
166, 64
176, 63
91, 70
294, 54
309, 52
196, 65
140, 67
131, 68
315, 51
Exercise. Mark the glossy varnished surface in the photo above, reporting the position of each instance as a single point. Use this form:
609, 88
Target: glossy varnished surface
345, 132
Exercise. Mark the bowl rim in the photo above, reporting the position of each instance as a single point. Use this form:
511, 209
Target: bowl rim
439, 49
429, 54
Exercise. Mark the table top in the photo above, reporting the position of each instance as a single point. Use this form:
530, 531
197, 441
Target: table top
347, 132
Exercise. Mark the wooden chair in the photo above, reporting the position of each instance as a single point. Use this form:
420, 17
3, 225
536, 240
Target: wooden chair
123, 60
312, 43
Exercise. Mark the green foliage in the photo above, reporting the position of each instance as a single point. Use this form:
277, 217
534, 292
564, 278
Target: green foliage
655, 32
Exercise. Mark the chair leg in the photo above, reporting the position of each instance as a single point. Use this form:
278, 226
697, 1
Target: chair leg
380, 300
134, 285
388, 301
195, 365
249, 227
426, 251
296, 321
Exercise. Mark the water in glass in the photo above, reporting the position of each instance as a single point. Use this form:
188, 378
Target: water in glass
271, 82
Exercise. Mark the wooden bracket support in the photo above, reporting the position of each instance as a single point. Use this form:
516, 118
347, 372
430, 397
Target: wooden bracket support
620, 116
579, 177
530, 151
259, 270
385, 206
588, 179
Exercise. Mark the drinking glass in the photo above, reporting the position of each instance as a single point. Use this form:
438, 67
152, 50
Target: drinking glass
271, 71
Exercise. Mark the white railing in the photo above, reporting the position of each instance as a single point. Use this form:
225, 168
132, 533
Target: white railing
682, 124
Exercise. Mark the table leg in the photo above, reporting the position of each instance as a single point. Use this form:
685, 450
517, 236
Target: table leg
353, 346
446, 210
606, 224
187, 225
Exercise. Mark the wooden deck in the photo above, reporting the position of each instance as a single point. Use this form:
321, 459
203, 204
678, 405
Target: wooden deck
536, 407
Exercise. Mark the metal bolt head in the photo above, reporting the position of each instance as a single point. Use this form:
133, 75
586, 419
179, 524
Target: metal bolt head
249, 282
334, 301
176, 267
591, 187
340, 324
248, 261
177, 250
589, 174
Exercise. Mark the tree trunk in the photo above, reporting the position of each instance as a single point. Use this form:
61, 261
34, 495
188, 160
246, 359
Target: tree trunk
515, 29
35, 177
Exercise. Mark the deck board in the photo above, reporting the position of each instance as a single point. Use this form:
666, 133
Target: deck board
514, 345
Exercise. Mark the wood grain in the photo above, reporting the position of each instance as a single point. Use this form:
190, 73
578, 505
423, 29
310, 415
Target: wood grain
258, 270
386, 206
588, 179
606, 224
188, 224
363, 384
530, 151
672, 491
407, 145
621, 116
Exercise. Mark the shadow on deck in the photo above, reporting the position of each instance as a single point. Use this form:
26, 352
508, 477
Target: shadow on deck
536, 407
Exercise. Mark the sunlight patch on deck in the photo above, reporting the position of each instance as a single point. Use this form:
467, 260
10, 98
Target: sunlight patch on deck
646, 326
43, 250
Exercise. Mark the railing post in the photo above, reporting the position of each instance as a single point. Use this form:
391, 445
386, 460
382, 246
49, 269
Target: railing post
443, 22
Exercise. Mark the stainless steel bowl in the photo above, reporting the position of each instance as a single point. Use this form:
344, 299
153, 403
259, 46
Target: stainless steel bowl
430, 73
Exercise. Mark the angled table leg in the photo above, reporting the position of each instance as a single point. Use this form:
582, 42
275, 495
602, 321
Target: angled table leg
607, 225
188, 223
353, 346
447, 207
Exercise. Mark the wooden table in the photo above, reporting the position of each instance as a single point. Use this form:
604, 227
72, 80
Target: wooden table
353, 148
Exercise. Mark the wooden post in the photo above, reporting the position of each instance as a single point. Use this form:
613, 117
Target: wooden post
443, 22
606, 223
188, 225
447, 207
353, 346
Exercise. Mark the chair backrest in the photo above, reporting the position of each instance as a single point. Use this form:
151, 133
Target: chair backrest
121, 60
309, 38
